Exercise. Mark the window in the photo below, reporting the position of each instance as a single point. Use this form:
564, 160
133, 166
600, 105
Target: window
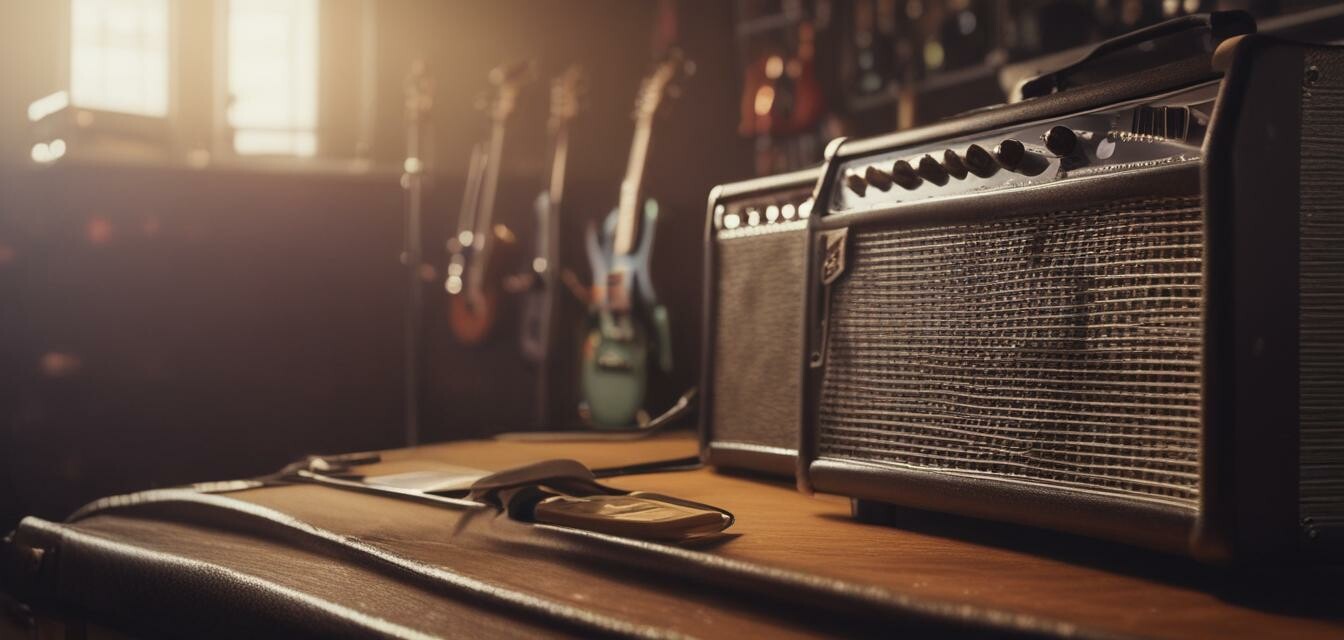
272, 76
119, 55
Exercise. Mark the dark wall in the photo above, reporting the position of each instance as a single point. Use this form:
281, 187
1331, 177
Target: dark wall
161, 324
169, 325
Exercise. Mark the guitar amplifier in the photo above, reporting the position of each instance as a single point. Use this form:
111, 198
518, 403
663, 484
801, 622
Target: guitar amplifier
755, 279
1115, 310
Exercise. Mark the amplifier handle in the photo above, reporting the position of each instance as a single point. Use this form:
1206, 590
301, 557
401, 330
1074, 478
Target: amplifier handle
1219, 25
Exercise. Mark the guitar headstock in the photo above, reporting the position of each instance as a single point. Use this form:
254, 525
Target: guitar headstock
660, 83
508, 80
565, 91
419, 92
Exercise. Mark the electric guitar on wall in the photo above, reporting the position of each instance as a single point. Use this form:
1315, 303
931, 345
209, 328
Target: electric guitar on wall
540, 297
479, 250
626, 322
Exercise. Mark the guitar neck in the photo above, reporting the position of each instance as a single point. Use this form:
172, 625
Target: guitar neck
548, 240
471, 195
482, 231
627, 221
555, 184
491, 184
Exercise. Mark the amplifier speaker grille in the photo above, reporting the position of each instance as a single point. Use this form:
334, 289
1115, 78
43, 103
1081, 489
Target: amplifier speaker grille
1061, 349
758, 334
1321, 296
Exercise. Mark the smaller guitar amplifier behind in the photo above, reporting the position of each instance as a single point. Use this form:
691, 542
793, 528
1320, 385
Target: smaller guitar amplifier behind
755, 273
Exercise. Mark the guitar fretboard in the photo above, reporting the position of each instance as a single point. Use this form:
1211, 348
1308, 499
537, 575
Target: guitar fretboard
627, 221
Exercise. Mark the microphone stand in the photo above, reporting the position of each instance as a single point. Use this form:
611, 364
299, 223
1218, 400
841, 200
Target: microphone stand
419, 102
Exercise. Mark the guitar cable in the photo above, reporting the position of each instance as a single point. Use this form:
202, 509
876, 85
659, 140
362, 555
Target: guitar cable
682, 408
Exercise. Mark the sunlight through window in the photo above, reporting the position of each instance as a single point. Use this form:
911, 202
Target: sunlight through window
272, 76
119, 55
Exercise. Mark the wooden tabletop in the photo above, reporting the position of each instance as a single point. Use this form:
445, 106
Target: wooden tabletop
1099, 587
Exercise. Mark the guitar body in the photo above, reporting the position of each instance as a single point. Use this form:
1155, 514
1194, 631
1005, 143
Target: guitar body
471, 317
481, 252
622, 333
472, 314
615, 377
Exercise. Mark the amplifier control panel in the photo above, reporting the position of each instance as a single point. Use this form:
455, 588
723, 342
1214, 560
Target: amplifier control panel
763, 213
1155, 131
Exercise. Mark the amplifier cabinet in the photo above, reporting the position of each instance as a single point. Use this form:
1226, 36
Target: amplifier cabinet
755, 284
1116, 311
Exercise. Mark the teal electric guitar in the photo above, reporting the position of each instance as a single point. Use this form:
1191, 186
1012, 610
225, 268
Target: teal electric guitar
627, 326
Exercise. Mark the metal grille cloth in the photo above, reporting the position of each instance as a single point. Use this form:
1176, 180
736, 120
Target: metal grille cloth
1061, 350
758, 335
1321, 287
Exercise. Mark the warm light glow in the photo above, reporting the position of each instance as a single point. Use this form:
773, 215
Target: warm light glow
98, 230
765, 100
272, 76
934, 54
44, 152
119, 56
47, 105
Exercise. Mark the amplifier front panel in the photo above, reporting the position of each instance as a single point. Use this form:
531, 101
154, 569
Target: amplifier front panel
1321, 291
1059, 349
758, 325
755, 297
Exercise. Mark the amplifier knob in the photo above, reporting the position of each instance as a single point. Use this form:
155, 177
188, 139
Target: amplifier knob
980, 162
952, 162
932, 170
905, 175
1061, 141
857, 184
1014, 156
878, 178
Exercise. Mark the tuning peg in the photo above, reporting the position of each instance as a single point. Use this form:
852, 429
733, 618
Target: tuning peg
688, 68
674, 92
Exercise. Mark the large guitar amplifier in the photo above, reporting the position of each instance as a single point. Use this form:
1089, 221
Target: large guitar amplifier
1115, 310
755, 278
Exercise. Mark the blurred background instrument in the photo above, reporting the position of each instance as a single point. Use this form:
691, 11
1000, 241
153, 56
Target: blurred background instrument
482, 250
628, 325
